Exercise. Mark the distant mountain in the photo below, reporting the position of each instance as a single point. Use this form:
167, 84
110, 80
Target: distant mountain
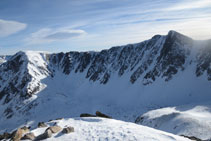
123, 81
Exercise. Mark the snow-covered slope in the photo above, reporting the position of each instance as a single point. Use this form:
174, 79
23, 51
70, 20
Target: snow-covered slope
123, 82
189, 120
95, 129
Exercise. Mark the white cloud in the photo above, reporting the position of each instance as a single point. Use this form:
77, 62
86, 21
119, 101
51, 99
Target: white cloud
10, 27
48, 35
190, 5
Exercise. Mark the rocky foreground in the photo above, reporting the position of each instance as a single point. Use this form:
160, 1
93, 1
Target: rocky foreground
91, 128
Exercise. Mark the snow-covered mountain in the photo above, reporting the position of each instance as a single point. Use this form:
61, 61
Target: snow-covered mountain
190, 120
123, 81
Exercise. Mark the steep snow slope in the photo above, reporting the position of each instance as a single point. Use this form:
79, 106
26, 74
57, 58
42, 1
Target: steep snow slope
87, 129
122, 81
189, 120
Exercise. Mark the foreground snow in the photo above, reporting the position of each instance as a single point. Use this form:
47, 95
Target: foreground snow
189, 120
107, 129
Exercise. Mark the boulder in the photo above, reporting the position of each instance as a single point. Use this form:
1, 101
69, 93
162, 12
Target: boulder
45, 135
17, 135
28, 136
87, 115
68, 130
41, 125
99, 114
54, 129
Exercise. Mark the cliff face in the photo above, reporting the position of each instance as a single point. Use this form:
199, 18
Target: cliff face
160, 71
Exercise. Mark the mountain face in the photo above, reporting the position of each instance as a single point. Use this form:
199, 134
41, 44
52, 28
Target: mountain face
123, 81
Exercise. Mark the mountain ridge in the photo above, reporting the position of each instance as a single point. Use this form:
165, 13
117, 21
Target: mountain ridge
126, 78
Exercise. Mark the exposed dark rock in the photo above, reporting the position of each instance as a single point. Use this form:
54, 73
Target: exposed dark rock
99, 114
28, 136
87, 115
5, 135
68, 130
41, 125
26, 128
45, 135
192, 138
59, 118
139, 119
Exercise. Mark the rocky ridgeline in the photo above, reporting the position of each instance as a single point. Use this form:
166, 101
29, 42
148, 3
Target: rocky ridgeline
161, 56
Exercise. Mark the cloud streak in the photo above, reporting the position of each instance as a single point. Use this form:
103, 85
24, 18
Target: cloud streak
48, 35
10, 27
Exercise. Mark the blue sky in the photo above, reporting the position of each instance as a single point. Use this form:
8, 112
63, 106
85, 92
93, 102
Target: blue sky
83, 25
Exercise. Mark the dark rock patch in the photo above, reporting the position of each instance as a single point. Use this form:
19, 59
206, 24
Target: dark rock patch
99, 114
87, 115
28, 136
45, 135
5, 136
68, 130
192, 138
41, 125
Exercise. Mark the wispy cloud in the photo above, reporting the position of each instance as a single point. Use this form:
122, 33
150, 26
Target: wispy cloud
10, 27
190, 4
48, 35
107, 22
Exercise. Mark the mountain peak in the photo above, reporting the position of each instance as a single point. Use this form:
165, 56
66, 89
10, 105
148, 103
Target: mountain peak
173, 33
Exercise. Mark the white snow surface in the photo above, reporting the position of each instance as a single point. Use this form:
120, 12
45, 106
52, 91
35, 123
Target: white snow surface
189, 120
101, 129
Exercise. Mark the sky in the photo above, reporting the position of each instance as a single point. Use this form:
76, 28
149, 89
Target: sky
93, 25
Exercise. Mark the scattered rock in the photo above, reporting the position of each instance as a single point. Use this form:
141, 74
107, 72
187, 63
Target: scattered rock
45, 135
99, 114
1, 137
28, 136
68, 130
54, 129
5, 136
41, 125
87, 115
